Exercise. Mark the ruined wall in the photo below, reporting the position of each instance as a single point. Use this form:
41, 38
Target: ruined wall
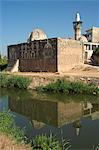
38, 56
69, 54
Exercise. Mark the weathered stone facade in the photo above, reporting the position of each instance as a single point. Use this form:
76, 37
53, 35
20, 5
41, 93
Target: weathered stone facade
37, 55
70, 53
49, 55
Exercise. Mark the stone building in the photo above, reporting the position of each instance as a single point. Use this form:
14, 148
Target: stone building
42, 54
90, 39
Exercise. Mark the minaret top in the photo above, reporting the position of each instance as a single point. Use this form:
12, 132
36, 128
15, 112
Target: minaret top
77, 17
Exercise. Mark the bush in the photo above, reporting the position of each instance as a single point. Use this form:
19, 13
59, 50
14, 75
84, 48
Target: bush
3, 62
10, 81
44, 142
69, 87
8, 127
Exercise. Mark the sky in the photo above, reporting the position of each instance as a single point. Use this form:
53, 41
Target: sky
19, 17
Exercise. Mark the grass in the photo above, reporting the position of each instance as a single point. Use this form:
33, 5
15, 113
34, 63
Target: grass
12, 81
44, 142
7, 126
69, 87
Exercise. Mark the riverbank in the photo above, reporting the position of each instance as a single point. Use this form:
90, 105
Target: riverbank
6, 143
84, 73
31, 80
69, 87
13, 138
52, 82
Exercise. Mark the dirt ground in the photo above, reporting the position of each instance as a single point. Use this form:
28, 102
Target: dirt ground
6, 143
83, 70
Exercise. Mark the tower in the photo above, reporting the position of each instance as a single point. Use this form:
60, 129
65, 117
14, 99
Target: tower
77, 26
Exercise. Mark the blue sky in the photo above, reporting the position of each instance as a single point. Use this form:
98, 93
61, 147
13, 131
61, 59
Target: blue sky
55, 17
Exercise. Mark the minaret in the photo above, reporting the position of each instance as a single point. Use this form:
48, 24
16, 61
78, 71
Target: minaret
77, 26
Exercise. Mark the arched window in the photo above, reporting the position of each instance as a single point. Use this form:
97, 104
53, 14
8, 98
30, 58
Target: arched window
48, 50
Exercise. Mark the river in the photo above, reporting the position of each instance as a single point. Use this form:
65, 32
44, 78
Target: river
74, 118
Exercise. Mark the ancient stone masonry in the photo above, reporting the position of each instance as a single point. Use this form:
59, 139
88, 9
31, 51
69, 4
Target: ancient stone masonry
70, 53
38, 55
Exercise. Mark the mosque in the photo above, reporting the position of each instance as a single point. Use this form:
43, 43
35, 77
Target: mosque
42, 54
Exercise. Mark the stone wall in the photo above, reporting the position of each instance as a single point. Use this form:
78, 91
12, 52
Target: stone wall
38, 56
69, 53
13, 54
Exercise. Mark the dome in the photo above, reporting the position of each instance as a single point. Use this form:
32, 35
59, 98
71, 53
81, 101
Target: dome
37, 34
83, 39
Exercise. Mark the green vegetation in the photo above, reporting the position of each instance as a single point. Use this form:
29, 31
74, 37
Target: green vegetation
10, 81
46, 143
3, 62
69, 87
8, 127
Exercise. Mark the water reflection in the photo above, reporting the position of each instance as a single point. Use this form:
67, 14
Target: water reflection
43, 110
76, 116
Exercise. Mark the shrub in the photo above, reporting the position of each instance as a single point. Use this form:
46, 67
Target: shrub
10, 81
44, 142
69, 87
8, 127
3, 62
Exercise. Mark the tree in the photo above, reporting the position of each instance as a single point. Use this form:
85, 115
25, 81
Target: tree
3, 62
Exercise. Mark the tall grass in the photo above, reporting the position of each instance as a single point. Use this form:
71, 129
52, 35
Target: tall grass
7, 126
10, 81
69, 87
44, 142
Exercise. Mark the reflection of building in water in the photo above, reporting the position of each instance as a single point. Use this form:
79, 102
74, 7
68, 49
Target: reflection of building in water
69, 112
54, 113
49, 112
77, 126
87, 107
91, 109
41, 111
37, 124
4, 103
